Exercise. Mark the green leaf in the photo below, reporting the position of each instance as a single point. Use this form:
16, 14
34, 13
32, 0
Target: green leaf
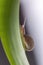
10, 32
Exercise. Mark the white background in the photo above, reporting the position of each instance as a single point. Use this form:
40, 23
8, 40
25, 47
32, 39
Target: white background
33, 10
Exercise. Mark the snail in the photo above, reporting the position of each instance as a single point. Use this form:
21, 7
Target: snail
28, 42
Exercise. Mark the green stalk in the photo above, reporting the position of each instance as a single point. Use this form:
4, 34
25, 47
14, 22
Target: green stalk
10, 32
